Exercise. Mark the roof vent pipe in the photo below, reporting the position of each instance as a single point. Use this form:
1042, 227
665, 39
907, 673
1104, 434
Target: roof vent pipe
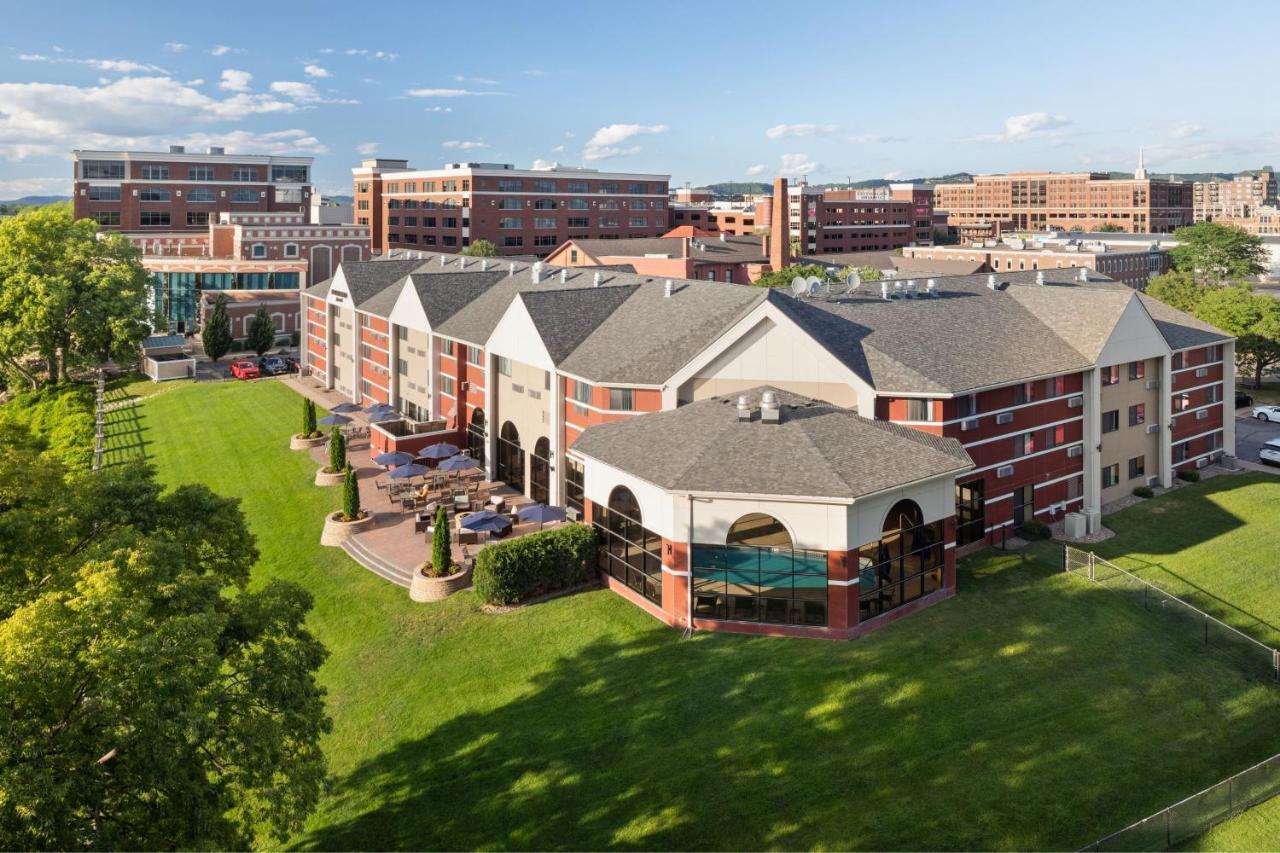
536, 271
1040, 277
897, 290
462, 263
991, 281
911, 289
722, 238
564, 275
484, 264
744, 408
1083, 274
668, 288
443, 260
511, 268
596, 279
769, 411
884, 290
931, 287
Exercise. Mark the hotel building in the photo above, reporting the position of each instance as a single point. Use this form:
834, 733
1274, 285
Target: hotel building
1242, 197
837, 221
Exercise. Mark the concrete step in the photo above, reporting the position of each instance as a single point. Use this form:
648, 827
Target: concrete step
376, 564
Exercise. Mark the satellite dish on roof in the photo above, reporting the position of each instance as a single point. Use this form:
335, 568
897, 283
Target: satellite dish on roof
813, 285
799, 287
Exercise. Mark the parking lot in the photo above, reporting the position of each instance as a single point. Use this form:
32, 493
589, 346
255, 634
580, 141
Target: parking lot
1251, 434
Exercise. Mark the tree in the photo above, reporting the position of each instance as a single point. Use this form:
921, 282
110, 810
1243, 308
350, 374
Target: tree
337, 451
66, 296
153, 698
480, 249
350, 496
1177, 289
1212, 252
783, 277
262, 331
1254, 320
864, 273
441, 551
309, 427
216, 334
1108, 228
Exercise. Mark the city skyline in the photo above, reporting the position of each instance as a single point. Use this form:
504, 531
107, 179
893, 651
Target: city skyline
699, 93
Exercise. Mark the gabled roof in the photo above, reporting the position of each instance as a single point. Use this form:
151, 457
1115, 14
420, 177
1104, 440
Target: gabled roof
444, 294
366, 279
1180, 329
565, 318
817, 450
730, 250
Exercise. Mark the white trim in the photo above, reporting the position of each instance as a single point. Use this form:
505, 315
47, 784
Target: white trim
851, 582
675, 572
1028, 456
1201, 456
1182, 412
949, 546
1021, 432
1172, 392
979, 415
988, 501
1192, 438
1079, 473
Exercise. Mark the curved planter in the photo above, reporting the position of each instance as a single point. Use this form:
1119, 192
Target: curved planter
336, 531
423, 588
298, 442
324, 478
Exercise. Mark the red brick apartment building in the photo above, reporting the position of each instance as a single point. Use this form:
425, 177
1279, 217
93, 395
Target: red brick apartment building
709, 219
835, 221
521, 211
1131, 265
705, 428
1084, 201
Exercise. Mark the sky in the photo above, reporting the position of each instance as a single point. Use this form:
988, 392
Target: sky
704, 92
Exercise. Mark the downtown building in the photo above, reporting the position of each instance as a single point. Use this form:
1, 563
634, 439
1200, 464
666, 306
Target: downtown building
1131, 265
1241, 198
520, 211
840, 221
759, 462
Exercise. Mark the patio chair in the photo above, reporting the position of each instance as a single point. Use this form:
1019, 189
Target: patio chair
408, 504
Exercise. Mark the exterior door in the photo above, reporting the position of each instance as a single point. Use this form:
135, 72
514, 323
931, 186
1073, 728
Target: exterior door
1023, 504
540, 472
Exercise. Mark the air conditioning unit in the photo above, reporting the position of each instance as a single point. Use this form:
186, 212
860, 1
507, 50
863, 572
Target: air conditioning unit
1153, 428
1075, 450
1004, 418
1153, 384
1202, 462
1075, 402
970, 424
1202, 414
1202, 372
1004, 471
1153, 481
464, 385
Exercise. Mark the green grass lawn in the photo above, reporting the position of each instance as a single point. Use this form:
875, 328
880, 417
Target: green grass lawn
1032, 711
1256, 829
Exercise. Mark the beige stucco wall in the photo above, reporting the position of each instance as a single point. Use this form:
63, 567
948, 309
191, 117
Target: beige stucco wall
527, 411
1130, 441
415, 351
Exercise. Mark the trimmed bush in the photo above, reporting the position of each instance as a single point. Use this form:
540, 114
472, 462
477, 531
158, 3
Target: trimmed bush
1143, 492
1032, 529
337, 452
1191, 475
351, 496
511, 572
441, 553
309, 427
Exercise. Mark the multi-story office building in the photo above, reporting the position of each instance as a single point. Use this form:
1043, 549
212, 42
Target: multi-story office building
707, 219
521, 211
1133, 266
1240, 198
833, 221
1038, 201
152, 192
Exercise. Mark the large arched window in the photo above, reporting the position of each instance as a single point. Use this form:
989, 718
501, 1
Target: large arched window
625, 549
540, 471
759, 529
477, 436
510, 467
904, 564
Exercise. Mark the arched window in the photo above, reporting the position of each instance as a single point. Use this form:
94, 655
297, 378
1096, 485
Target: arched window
477, 435
625, 549
540, 471
510, 467
904, 564
759, 529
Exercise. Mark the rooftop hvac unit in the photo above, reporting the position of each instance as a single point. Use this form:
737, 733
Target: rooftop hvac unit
1153, 481
1004, 471
970, 424
1004, 418
1075, 402
1202, 461
1153, 428
1153, 384
1075, 450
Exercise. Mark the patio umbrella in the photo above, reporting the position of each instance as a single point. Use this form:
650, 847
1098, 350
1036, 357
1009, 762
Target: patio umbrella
439, 451
343, 408
487, 520
382, 416
461, 462
540, 513
334, 420
404, 472
394, 458
379, 407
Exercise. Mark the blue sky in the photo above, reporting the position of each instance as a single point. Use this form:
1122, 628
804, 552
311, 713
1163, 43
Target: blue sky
705, 92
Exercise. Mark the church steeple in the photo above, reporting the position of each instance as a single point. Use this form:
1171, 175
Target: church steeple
1141, 172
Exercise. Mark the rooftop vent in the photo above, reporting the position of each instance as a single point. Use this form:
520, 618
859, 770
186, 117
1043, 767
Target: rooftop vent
462, 263
217, 149
484, 264
884, 290
769, 411
668, 287
564, 275
991, 282
931, 288
722, 236
536, 271
1083, 275
511, 268
596, 279
177, 149
443, 260
744, 409
1040, 277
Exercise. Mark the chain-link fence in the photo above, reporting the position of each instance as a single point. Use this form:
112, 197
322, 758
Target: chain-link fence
1185, 621
1198, 812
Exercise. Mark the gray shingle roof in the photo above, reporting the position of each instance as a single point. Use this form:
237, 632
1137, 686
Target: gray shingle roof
890, 260
1180, 329
366, 279
731, 250
565, 318
818, 450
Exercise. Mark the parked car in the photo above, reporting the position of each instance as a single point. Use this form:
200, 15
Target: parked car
1267, 413
1243, 399
245, 369
272, 365
1270, 452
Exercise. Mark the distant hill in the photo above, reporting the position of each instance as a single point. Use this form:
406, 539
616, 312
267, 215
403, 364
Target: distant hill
35, 200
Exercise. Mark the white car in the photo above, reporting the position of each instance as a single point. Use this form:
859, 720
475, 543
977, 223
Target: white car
1267, 413
1270, 452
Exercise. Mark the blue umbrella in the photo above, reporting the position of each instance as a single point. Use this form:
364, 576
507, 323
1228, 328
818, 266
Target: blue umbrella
393, 458
404, 472
383, 416
334, 420
540, 513
487, 520
458, 463
439, 451
343, 408
379, 407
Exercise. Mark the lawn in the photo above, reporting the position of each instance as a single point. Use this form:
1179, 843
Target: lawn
1032, 711
1256, 829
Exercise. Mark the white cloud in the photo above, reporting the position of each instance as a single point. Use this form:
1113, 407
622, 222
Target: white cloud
313, 70
292, 141
368, 149
1186, 129
223, 50
1038, 125
448, 93
326, 50
465, 144
18, 187
607, 141
304, 93
383, 55
872, 139
438, 110
557, 149
757, 169
175, 46
234, 80
199, 81
479, 81
541, 165
795, 165
785, 131
120, 66
892, 176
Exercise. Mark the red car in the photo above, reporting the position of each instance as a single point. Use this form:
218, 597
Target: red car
245, 370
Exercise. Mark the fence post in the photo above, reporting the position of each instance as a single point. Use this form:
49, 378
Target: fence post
1168, 829
1092, 557
1206, 629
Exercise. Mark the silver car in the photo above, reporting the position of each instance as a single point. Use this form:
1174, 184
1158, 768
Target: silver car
1270, 452
1267, 413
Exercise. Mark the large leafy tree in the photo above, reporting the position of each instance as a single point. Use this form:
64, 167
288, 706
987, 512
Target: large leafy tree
1177, 288
152, 699
70, 297
262, 331
216, 334
1254, 319
1213, 252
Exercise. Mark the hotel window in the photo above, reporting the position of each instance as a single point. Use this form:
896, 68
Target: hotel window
970, 512
510, 204
757, 576
504, 365
967, 406
1110, 375
578, 204
579, 222
542, 185
402, 366
289, 174
428, 222
448, 240
362, 204
200, 173
608, 222
197, 217
608, 204
104, 193
621, 400
1111, 420
905, 564
451, 222
1055, 386
446, 384
636, 204
411, 186
153, 218
1215, 353
919, 410
291, 250
154, 194
576, 187
446, 347
366, 351
259, 250
607, 187
1137, 369
1181, 452
505, 185
574, 495
1181, 402
544, 204
546, 240
637, 189
452, 186
393, 220
1022, 393
637, 222
1137, 414
244, 175
244, 196
629, 552
475, 356
544, 222
102, 170
1137, 467
581, 394
106, 217
155, 173
1110, 475
1175, 363
507, 242
200, 194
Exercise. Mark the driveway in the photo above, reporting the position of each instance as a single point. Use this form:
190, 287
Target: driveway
1251, 434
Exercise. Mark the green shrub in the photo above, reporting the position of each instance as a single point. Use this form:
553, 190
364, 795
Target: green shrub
61, 418
350, 496
441, 552
511, 572
1191, 475
1143, 492
1032, 529
309, 427
337, 452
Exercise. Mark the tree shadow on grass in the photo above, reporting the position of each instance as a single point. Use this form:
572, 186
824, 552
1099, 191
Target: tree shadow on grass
123, 435
1033, 711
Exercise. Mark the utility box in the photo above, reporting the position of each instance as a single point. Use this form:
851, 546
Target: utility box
1075, 525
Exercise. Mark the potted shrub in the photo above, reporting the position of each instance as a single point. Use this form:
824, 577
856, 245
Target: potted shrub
311, 436
351, 519
439, 577
336, 471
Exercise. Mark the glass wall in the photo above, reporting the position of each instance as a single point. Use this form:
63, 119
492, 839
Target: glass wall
747, 583
970, 512
904, 565
625, 549
477, 437
510, 461
574, 497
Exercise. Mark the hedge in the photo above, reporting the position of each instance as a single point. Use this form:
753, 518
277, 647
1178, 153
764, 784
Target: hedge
1032, 530
1190, 475
1144, 492
511, 572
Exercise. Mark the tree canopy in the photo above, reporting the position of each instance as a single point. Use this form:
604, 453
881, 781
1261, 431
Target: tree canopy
1178, 289
480, 249
783, 277
262, 331
152, 698
67, 296
216, 333
1212, 252
1254, 319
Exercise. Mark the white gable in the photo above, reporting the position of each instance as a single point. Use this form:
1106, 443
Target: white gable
408, 311
1134, 337
517, 338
